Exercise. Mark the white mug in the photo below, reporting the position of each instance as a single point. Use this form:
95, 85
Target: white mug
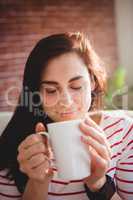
71, 155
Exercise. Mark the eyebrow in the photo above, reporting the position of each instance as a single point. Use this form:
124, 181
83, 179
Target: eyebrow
56, 83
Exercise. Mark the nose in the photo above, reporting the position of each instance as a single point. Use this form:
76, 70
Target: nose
66, 99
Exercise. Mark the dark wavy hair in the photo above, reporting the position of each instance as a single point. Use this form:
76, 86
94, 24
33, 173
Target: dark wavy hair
27, 114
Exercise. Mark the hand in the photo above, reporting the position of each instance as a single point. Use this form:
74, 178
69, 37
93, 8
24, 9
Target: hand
100, 153
34, 156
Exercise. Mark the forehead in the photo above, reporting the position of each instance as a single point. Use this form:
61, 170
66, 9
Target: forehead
65, 67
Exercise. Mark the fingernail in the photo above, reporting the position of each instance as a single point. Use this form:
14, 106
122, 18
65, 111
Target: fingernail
87, 121
82, 138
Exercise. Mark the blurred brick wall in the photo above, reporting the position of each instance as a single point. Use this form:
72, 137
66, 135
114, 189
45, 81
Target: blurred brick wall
22, 23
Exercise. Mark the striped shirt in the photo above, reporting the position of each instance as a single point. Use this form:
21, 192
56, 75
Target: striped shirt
119, 132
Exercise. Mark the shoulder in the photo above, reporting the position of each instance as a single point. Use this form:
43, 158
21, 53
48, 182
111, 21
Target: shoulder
114, 119
118, 127
8, 188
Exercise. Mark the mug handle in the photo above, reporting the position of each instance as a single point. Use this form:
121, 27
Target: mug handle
44, 133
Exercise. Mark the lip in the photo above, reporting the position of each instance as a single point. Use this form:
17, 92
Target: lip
67, 113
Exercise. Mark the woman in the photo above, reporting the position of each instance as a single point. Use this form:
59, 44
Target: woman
64, 80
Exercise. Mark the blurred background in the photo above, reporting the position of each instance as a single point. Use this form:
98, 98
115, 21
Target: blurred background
108, 23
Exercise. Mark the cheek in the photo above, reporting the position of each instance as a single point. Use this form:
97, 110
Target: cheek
49, 101
50, 111
83, 99
86, 100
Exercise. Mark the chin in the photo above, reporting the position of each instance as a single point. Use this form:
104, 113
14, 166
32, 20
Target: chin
66, 118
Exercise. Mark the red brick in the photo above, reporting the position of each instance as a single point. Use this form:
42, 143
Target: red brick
23, 23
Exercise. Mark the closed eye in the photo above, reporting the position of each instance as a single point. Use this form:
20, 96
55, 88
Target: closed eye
77, 88
50, 91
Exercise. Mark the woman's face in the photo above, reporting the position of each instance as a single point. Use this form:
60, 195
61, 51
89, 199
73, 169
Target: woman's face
66, 88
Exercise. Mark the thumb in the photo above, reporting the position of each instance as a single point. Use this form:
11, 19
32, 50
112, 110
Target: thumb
39, 127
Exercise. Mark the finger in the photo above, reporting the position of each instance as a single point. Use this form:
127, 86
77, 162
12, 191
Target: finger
91, 122
32, 139
40, 127
95, 134
99, 161
30, 166
98, 164
25, 168
50, 173
88, 130
47, 143
31, 151
36, 160
40, 172
100, 149
29, 141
